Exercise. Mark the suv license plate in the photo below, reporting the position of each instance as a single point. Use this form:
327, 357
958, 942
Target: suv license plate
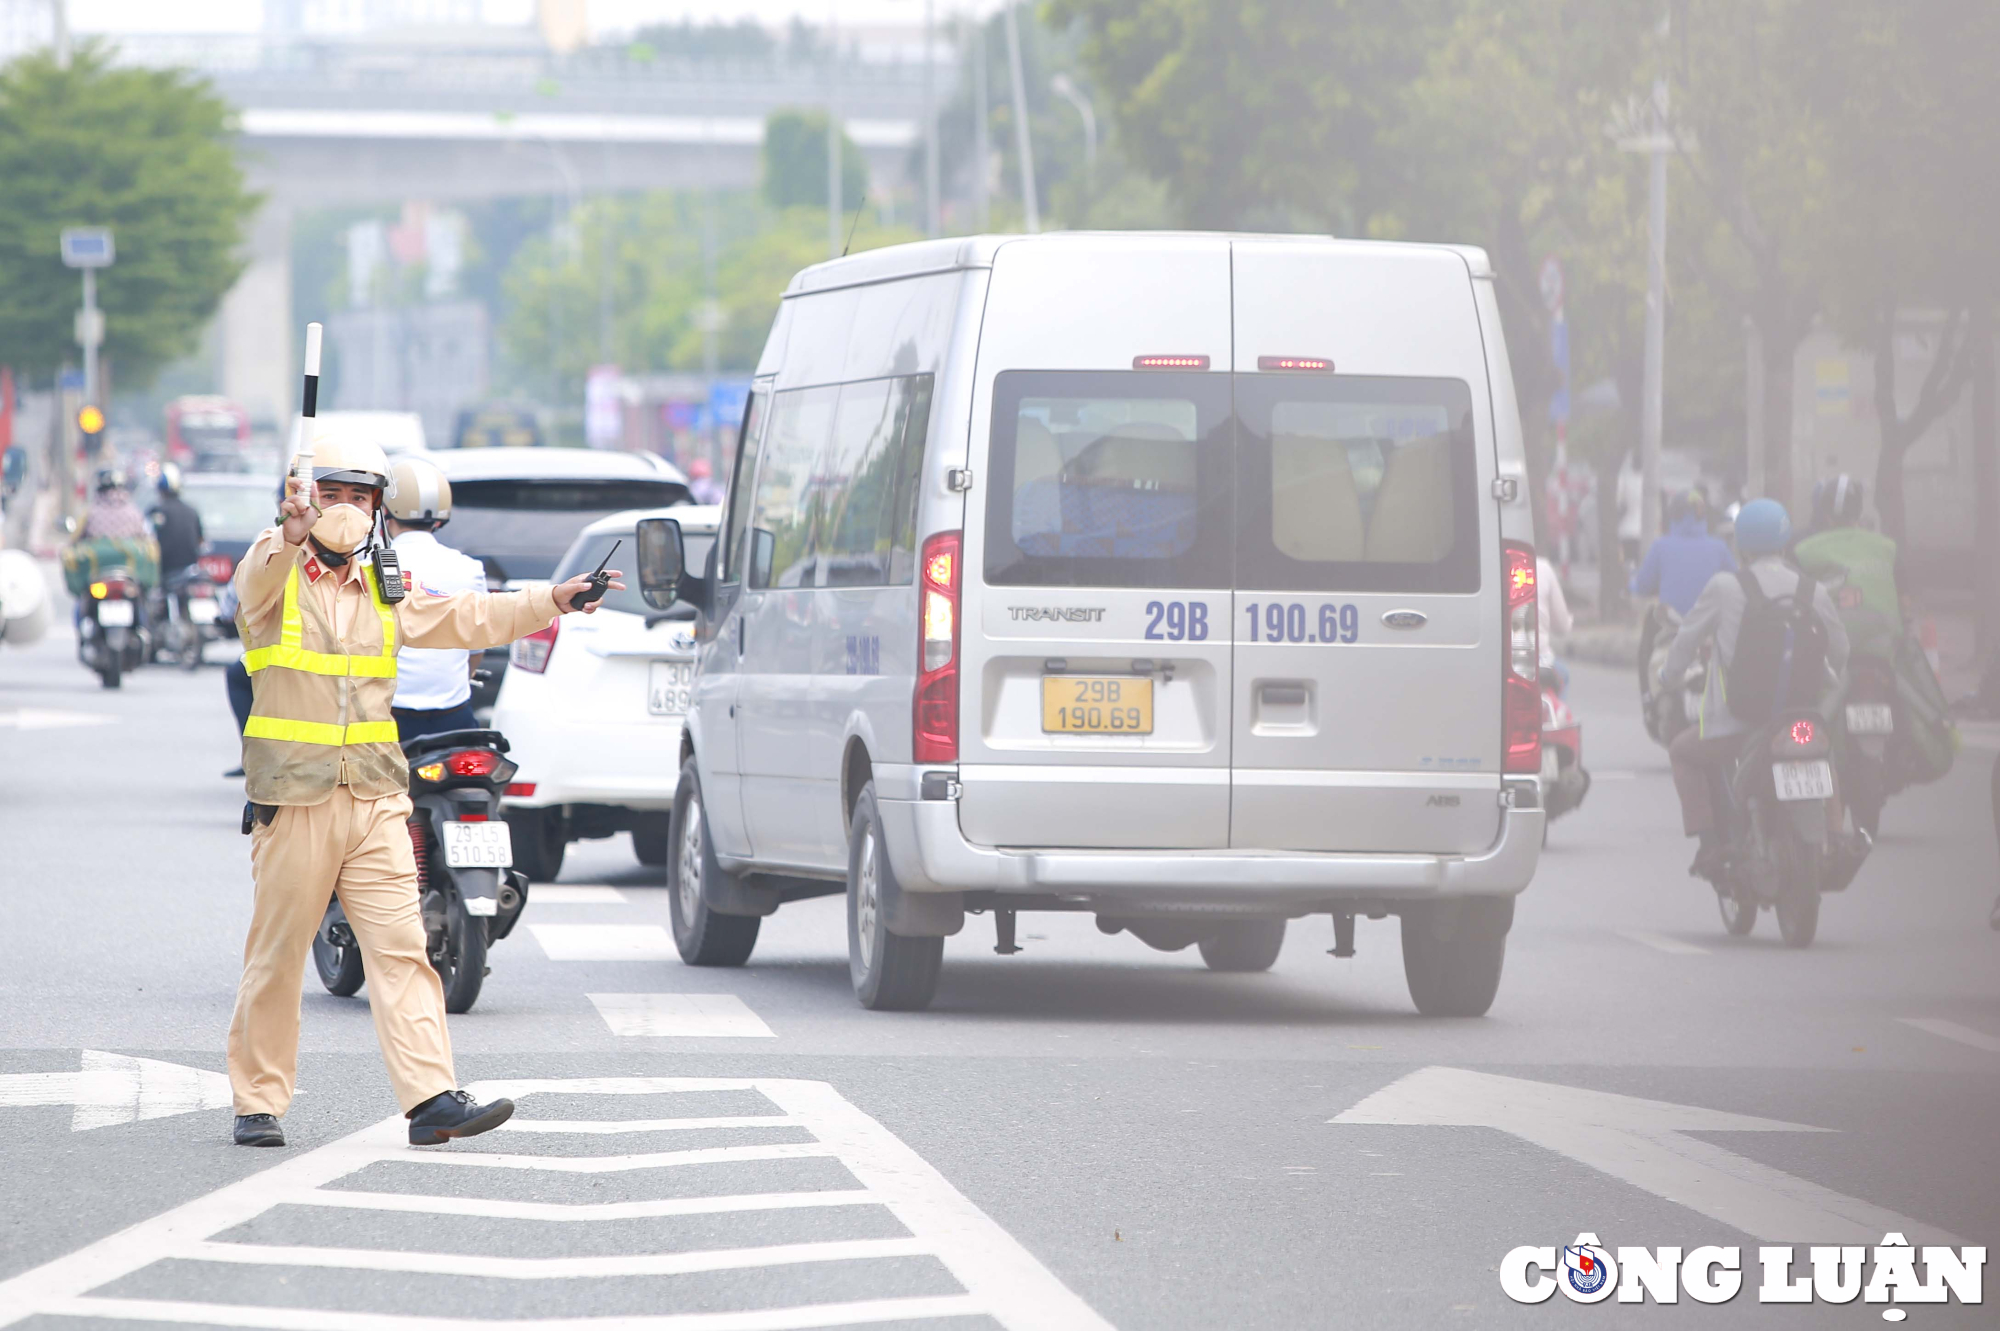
1097, 705
1870, 718
667, 687
478, 845
114, 614
1804, 781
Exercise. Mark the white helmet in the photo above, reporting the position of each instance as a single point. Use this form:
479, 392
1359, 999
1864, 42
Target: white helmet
339, 456
418, 492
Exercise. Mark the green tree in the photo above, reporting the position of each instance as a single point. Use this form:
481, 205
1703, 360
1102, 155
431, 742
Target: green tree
795, 162
148, 153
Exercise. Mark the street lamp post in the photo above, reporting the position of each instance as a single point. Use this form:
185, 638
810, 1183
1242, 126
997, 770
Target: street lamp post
835, 206
89, 248
1066, 88
1657, 141
1023, 140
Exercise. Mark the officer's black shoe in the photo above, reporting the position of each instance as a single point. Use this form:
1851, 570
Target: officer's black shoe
259, 1130
455, 1114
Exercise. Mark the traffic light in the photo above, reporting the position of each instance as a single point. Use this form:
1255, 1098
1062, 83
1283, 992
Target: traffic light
90, 420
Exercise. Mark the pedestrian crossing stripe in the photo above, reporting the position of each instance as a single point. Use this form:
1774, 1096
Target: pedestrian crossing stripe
998, 1278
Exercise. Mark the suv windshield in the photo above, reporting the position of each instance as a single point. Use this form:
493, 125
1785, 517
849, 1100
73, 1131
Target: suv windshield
587, 553
520, 528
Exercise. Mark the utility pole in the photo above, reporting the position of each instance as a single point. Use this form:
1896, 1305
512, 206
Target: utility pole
1066, 88
982, 149
1654, 392
933, 221
1023, 141
835, 205
59, 12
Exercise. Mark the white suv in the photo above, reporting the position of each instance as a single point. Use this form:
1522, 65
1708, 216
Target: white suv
592, 708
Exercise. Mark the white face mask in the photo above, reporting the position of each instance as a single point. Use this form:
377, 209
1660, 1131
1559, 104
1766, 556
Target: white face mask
341, 527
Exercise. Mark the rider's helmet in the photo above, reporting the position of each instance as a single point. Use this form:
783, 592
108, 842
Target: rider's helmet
1688, 504
108, 478
340, 456
1762, 528
419, 494
1837, 502
170, 479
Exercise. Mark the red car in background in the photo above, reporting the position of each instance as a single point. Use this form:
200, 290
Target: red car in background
207, 433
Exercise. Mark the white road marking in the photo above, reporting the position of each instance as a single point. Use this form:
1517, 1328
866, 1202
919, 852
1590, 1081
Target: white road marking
113, 1088
1979, 734
590, 1127
48, 718
1643, 1143
697, 1015
1001, 1279
574, 894
763, 1319
1621, 774
1661, 943
603, 942
1951, 1030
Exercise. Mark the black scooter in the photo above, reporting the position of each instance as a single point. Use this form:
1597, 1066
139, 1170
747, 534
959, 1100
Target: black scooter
468, 890
111, 633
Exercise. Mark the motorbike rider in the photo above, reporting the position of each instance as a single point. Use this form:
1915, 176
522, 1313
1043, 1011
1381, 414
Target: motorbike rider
329, 785
1857, 564
433, 684
113, 516
176, 523
1680, 563
1707, 747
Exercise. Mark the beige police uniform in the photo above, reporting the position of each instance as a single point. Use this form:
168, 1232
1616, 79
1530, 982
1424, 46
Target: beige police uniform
321, 745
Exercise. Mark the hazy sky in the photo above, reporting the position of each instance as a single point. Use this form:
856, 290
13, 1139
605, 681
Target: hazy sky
605, 15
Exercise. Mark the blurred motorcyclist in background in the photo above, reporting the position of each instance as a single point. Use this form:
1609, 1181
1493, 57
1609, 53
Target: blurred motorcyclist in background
113, 516
1552, 619
702, 485
1763, 529
1679, 565
1857, 565
176, 523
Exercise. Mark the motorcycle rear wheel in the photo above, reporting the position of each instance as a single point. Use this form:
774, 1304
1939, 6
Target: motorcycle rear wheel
339, 965
1739, 917
1797, 906
457, 946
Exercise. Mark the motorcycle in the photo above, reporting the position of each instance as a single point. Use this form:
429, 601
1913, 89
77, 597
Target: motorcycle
186, 608
111, 635
1872, 762
468, 891
1782, 847
1565, 780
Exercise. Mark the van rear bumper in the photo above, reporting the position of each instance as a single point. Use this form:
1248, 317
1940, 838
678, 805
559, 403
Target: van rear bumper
930, 854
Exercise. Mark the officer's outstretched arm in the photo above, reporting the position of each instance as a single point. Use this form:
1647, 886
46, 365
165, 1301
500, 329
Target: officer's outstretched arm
473, 620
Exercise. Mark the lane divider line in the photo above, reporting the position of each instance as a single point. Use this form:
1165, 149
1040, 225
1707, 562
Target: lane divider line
859, 1313
683, 1016
554, 1268
1951, 1030
568, 1212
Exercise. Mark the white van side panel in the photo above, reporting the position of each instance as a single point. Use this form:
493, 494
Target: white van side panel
1090, 304
1517, 521
1376, 738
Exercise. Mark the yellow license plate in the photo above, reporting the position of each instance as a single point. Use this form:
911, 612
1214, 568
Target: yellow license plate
1097, 705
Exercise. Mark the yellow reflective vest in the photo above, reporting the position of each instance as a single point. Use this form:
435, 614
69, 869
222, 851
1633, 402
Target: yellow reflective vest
321, 715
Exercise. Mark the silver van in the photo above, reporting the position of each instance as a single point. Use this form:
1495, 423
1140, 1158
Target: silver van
1179, 579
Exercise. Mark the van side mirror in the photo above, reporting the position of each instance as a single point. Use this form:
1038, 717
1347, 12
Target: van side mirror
662, 561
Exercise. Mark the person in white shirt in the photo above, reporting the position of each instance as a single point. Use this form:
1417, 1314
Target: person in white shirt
433, 685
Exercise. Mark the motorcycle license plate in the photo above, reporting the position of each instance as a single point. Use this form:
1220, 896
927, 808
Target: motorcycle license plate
1804, 781
667, 686
1870, 718
114, 614
203, 610
478, 846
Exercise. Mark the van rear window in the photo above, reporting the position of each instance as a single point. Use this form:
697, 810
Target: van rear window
1356, 484
1116, 479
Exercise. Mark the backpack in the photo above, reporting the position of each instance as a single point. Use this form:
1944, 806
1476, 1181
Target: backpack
1780, 658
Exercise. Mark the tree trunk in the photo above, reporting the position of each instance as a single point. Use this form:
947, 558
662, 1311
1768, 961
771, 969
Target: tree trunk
1895, 440
1780, 347
1985, 484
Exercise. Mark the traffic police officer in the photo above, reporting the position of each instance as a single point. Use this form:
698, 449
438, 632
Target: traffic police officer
328, 787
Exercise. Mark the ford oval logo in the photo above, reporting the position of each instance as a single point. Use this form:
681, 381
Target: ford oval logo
1404, 619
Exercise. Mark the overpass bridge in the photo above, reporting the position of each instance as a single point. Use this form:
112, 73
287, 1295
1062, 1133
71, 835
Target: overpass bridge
485, 113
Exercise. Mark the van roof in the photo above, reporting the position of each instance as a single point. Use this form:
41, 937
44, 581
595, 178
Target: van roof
960, 252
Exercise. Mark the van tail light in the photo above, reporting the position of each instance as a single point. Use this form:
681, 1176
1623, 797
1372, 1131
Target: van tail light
1520, 680
532, 653
935, 710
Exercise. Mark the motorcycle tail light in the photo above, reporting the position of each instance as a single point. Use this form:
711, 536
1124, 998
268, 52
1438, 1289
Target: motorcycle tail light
473, 762
521, 789
99, 590
1802, 732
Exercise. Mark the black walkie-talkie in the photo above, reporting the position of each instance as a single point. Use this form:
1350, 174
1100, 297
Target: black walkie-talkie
389, 573
600, 581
